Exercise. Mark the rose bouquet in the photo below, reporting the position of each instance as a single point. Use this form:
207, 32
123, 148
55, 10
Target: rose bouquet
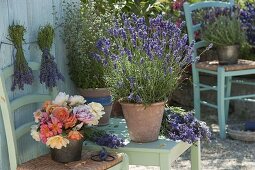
62, 119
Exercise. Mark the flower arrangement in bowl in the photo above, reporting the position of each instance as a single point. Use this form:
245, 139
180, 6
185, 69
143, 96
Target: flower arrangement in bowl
143, 66
223, 28
59, 124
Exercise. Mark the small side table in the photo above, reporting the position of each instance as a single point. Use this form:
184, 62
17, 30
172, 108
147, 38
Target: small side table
162, 152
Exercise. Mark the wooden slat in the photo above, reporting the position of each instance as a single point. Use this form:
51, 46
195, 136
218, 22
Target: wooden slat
9, 71
22, 130
28, 99
208, 4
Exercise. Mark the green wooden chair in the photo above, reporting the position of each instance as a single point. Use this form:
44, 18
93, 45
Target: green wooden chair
224, 73
13, 134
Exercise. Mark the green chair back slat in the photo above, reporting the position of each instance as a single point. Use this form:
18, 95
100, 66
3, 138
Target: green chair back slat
29, 99
23, 129
209, 4
9, 71
196, 27
8, 107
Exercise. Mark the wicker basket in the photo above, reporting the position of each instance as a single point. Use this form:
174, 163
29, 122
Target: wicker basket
237, 132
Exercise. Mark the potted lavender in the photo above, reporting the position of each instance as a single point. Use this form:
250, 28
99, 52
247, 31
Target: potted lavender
143, 65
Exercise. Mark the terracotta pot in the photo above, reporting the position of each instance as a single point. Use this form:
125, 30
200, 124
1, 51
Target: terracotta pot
70, 153
117, 110
99, 95
143, 122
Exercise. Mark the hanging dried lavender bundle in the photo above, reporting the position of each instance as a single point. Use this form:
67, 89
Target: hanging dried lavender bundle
22, 72
49, 73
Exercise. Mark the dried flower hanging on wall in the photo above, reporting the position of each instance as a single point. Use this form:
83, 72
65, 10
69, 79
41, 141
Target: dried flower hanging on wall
49, 73
22, 72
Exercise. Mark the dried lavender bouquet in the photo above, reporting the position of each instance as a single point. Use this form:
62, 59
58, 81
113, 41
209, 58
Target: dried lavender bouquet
49, 73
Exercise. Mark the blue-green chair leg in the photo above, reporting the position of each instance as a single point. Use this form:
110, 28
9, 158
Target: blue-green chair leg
196, 91
227, 94
220, 101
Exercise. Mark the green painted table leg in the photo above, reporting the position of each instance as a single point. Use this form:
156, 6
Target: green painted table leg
227, 94
196, 92
221, 102
164, 161
196, 156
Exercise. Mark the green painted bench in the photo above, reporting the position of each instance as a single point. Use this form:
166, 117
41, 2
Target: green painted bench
162, 152
14, 134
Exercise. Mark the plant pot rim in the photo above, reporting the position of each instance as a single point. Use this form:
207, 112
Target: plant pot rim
142, 104
93, 89
226, 46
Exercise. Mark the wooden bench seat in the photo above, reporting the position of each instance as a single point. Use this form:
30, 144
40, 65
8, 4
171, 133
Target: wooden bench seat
46, 163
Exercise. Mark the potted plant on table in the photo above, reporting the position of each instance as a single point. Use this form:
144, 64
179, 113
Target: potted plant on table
59, 125
83, 24
223, 28
143, 65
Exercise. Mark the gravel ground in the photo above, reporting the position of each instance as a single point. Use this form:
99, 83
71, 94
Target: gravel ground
219, 154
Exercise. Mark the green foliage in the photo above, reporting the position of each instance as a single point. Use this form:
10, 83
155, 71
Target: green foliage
45, 37
83, 24
224, 30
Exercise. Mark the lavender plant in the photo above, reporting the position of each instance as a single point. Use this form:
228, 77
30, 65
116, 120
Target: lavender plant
222, 26
180, 125
144, 63
49, 73
22, 72
247, 17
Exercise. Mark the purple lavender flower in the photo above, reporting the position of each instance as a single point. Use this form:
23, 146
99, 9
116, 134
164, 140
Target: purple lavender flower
49, 73
185, 127
22, 75
151, 53
247, 16
22, 72
109, 140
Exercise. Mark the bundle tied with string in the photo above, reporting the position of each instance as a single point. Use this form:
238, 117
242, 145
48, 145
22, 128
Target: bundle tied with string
49, 73
22, 72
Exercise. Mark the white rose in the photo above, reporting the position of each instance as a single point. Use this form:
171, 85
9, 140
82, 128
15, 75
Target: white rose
76, 100
61, 99
96, 109
35, 135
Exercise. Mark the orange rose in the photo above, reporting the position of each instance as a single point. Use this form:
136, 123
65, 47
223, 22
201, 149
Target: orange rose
50, 108
75, 135
46, 104
61, 113
70, 122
